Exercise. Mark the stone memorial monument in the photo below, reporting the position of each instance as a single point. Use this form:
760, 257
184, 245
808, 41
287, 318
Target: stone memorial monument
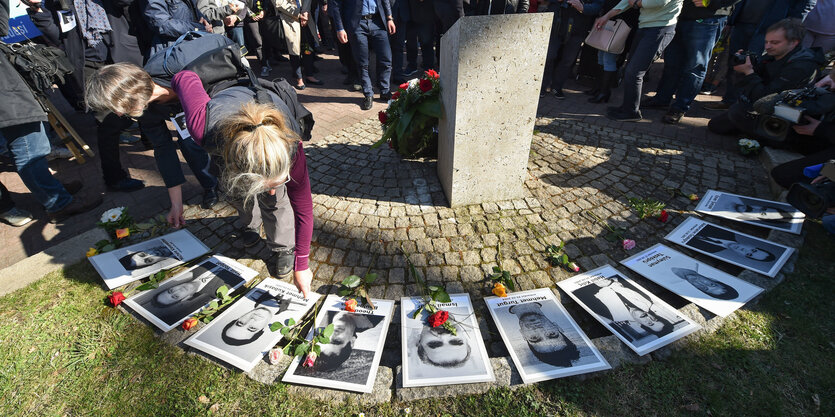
491, 72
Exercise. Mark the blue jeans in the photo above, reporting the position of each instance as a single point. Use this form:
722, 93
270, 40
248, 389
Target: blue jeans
371, 33
648, 43
829, 223
237, 34
685, 61
608, 60
29, 146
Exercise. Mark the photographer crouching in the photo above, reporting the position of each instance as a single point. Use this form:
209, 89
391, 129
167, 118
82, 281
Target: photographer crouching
785, 66
796, 175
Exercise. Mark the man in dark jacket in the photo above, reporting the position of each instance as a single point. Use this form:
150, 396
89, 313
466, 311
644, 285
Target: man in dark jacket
785, 66
571, 24
749, 23
363, 24
22, 125
687, 56
91, 44
170, 19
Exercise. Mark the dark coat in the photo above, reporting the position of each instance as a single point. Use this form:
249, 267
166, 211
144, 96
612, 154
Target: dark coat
168, 19
347, 13
781, 9
796, 70
122, 46
711, 232
18, 105
422, 11
400, 10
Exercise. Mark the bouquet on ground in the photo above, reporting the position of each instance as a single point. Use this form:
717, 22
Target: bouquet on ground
748, 146
119, 225
410, 123
432, 296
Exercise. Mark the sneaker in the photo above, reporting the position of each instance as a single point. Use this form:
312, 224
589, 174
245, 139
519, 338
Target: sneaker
355, 86
673, 117
16, 217
716, 105
265, 70
128, 139
558, 94
367, 102
76, 206
126, 185
59, 153
615, 113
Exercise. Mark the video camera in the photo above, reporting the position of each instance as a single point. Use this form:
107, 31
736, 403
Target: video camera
739, 58
814, 199
779, 111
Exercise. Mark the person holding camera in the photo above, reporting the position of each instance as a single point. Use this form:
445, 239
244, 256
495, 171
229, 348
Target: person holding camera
785, 66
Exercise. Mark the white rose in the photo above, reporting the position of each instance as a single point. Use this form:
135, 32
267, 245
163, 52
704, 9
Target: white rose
112, 215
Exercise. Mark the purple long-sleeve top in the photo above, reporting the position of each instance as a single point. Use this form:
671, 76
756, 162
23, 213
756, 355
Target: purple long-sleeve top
194, 100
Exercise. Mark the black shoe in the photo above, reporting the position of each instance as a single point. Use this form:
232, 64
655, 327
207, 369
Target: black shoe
209, 198
299, 87
76, 206
127, 185
367, 102
601, 97
73, 187
617, 114
607, 81
250, 238
385, 96
314, 81
652, 103
673, 117
559, 94
284, 262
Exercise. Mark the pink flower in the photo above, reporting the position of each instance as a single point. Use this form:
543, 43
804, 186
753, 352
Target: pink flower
275, 356
693, 197
309, 360
664, 216
574, 267
628, 244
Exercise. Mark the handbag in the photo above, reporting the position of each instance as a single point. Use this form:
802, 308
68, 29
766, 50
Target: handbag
611, 38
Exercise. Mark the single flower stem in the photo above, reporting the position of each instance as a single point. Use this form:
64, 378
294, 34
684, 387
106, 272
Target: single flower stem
599, 220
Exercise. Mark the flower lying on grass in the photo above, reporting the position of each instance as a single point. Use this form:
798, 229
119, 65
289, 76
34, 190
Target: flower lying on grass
116, 298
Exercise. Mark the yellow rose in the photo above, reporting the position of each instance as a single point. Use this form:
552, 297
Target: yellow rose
92, 252
499, 289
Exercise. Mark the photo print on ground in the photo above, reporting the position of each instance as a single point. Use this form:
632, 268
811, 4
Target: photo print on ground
125, 265
433, 355
695, 281
350, 361
763, 213
637, 317
183, 295
733, 247
543, 340
241, 335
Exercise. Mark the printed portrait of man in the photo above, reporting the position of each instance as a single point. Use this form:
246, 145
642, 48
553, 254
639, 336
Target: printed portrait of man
544, 338
708, 286
144, 258
723, 242
249, 326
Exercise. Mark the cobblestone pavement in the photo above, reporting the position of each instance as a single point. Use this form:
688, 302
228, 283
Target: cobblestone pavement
370, 204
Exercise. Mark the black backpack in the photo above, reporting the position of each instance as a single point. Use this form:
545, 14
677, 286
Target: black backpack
41, 66
223, 68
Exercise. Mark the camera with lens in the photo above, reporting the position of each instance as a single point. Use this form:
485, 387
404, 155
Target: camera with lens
739, 58
780, 111
814, 199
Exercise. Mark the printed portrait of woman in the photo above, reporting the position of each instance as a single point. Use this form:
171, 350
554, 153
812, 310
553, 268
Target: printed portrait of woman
708, 286
145, 258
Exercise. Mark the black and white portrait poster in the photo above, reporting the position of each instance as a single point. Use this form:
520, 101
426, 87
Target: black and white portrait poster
435, 356
637, 317
349, 362
128, 264
733, 247
241, 335
186, 293
763, 213
701, 284
543, 340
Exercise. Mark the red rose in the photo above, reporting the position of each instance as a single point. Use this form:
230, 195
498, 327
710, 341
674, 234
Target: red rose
395, 95
382, 116
351, 305
438, 318
188, 324
432, 74
425, 85
116, 298
664, 216
404, 86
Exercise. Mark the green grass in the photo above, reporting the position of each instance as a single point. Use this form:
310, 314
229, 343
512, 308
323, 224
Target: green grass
64, 352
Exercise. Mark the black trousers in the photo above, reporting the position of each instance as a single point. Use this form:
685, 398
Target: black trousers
792, 171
